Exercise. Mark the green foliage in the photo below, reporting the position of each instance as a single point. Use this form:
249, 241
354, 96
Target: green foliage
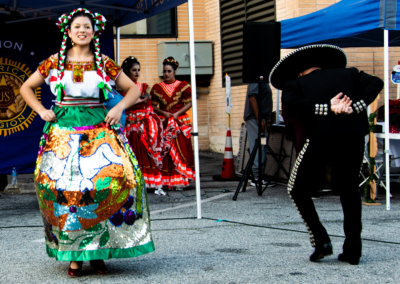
122, 196
40, 194
371, 120
41, 205
101, 195
95, 228
114, 186
104, 238
372, 163
63, 236
102, 190
102, 183
47, 194
85, 242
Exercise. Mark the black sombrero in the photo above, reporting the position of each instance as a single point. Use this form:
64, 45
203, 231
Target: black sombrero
319, 55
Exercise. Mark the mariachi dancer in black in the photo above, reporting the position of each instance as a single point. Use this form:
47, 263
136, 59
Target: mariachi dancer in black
331, 102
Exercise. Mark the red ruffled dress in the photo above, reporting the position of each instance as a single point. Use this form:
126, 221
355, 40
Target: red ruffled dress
143, 128
178, 163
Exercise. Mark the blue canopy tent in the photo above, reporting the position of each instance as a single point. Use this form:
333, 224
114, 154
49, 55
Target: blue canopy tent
119, 13
348, 23
351, 23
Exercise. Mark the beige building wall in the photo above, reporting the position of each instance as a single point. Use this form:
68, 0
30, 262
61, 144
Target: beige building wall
213, 121
146, 51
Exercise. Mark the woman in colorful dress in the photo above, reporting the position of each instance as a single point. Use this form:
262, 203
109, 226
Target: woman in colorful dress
143, 129
89, 186
171, 99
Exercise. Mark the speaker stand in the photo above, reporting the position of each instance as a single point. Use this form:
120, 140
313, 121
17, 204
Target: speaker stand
247, 172
257, 146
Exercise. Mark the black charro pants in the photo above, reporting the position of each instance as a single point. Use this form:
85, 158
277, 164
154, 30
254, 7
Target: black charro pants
346, 154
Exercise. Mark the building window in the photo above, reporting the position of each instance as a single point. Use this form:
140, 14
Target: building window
160, 25
233, 14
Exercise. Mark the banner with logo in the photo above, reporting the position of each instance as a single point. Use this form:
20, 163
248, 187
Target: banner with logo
23, 46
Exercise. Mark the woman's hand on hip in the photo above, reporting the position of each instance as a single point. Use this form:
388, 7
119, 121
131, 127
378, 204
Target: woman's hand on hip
114, 115
48, 115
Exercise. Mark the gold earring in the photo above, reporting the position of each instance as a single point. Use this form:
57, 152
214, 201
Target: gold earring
73, 43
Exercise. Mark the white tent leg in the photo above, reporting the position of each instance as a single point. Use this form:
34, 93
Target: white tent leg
118, 52
194, 107
387, 141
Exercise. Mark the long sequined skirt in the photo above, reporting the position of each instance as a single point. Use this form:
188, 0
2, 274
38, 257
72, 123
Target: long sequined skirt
90, 189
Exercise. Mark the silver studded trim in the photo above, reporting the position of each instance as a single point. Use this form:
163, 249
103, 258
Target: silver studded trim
303, 48
291, 182
321, 109
364, 104
360, 106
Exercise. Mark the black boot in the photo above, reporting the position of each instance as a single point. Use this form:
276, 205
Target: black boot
348, 258
321, 251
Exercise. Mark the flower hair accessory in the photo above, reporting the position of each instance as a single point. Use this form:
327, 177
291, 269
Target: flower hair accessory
64, 26
131, 58
171, 60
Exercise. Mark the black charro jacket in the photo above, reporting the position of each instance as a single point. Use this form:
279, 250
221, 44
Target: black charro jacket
308, 99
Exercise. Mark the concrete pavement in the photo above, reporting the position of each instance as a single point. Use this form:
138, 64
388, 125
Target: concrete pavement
262, 240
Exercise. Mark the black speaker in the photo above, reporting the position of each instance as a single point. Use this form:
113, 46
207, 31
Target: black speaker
261, 50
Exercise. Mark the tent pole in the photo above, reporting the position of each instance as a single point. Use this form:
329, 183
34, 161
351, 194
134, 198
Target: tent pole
118, 45
194, 106
387, 141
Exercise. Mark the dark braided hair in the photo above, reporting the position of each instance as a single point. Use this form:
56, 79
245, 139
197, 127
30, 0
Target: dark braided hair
171, 62
128, 63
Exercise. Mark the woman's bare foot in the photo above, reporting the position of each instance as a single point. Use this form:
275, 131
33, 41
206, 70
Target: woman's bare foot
76, 264
75, 268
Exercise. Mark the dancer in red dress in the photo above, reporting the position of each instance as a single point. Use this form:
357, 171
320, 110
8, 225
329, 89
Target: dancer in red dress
173, 98
143, 129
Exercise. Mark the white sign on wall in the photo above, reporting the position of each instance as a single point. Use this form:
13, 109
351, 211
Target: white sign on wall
228, 94
396, 74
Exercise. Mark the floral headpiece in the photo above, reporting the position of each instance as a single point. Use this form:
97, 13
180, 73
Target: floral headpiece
131, 58
171, 60
64, 25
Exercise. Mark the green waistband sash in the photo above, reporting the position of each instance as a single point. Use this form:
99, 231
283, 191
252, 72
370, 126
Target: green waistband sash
76, 116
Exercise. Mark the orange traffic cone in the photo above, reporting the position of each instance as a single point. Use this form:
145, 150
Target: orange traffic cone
228, 166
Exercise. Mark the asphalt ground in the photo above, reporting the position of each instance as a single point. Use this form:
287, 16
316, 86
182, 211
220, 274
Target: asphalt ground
256, 239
